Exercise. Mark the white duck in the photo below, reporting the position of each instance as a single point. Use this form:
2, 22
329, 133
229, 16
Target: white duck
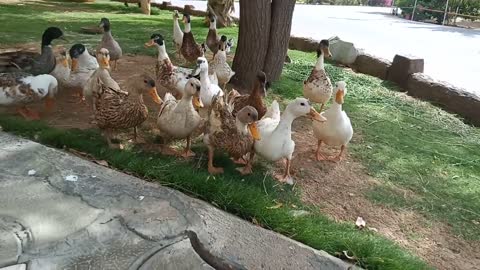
220, 66
19, 89
337, 131
83, 66
276, 133
170, 77
318, 88
177, 34
180, 119
209, 89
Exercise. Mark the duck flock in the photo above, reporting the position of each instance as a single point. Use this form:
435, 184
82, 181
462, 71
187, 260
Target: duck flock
195, 100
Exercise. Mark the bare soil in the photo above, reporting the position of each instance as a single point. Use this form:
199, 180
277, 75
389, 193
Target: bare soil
338, 189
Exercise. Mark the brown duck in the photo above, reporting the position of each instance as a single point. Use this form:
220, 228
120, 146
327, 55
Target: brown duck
190, 49
235, 135
255, 98
213, 40
118, 110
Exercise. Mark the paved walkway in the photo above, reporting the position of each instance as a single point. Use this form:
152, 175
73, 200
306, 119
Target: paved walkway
73, 214
451, 54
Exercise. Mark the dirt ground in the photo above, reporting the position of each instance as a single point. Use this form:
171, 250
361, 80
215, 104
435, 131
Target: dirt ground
338, 189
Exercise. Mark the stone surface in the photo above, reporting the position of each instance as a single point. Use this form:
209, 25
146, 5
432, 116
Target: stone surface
303, 44
402, 67
100, 222
371, 65
342, 51
15, 267
453, 99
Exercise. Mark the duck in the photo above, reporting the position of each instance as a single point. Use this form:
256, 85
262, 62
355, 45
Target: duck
83, 66
109, 43
177, 34
20, 89
117, 110
255, 98
102, 74
220, 66
276, 133
179, 119
208, 89
213, 40
318, 87
62, 69
31, 62
230, 45
337, 131
190, 49
233, 134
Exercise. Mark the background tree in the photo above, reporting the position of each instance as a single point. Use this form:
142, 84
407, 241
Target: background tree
262, 41
222, 9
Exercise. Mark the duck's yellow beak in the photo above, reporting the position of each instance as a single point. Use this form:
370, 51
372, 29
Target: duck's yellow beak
49, 103
314, 115
254, 131
339, 96
74, 64
197, 102
105, 63
150, 43
326, 52
153, 93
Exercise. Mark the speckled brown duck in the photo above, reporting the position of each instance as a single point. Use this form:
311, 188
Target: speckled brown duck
190, 49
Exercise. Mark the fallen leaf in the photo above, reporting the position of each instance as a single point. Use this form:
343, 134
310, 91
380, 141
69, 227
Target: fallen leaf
71, 178
345, 253
31, 172
476, 222
276, 206
102, 162
373, 229
255, 221
360, 223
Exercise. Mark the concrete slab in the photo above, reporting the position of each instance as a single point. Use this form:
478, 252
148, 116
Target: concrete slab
108, 220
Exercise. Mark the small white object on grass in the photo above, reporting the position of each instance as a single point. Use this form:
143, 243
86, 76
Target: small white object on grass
360, 223
71, 178
31, 172
141, 198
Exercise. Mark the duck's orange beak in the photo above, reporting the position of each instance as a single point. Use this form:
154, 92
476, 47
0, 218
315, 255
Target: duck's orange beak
254, 131
74, 64
339, 96
49, 103
105, 62
153, 93
314, 115
150, 43
197, 102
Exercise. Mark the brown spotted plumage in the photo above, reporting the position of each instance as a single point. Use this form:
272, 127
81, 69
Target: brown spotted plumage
255, 98
190, 49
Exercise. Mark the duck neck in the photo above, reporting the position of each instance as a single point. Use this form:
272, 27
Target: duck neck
107, 34
187, 99
320, 63
336, 107
187, 28
241, 127
162, 53
213, 25
46, 41
286, 121
255, 94
204, 79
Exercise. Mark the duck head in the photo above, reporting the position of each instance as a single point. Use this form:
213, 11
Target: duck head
186, 18
340, 92
302, 107
50, 34
75, 52
223, 43
155, 40
105, 24
103, 58
261, 84
147, 86
213, 21
202, 66
192, 88
175, 15
324, 48
249, 117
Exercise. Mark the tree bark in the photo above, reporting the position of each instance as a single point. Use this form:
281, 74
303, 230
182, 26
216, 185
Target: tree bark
222, 9
253, 40
281, 24
145, 6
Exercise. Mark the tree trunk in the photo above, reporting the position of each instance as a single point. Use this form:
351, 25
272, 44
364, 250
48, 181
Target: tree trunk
253, 40
281, 24
222, 9
145, 6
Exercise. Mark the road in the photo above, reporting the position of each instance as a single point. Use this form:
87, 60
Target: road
451, 54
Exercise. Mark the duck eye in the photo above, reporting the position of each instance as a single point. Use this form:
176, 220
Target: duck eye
248, 114
145, 81
303, 103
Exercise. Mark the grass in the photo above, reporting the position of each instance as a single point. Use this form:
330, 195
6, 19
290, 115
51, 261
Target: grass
407, 143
